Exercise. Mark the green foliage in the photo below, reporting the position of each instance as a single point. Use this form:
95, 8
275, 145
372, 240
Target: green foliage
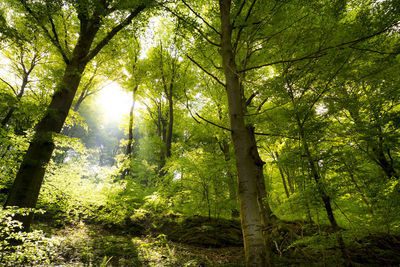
321, 86
18, 248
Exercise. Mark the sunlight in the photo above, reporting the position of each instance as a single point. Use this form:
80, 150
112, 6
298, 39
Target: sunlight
114, 102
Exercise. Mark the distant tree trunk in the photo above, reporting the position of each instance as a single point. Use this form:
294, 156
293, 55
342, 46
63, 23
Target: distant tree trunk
315, 174
289, 179
24, 83
380, 157
353, 180
232, 185
248, 162
321, 190
168, 141
168, 90
276, 156
26, 187
129, 146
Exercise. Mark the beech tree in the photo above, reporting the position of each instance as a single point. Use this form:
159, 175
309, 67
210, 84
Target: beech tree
76, 48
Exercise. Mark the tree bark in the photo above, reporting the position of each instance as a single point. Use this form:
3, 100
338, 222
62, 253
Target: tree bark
129, 146
26, 187
248, 162
314, 172
276, 156
168, 141
232, 186
24, 83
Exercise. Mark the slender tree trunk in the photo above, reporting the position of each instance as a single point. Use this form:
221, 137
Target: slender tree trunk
129, 147
7, 118
314, 172
289, 179
225, 148
248, 162
282, 175
284, 182
353, 180
383, 162
168, 141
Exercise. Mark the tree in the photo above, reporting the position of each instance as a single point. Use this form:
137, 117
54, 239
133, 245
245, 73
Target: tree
92, 36
249, 164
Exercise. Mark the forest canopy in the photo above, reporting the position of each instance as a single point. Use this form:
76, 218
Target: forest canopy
266, 128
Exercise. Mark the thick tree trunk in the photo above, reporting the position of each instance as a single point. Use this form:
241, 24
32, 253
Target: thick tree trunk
248, 162
25, 189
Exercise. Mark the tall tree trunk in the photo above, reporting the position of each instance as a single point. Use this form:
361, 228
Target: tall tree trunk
24, 83
276, 155
325, 197
315, 174
26, 187
129, 146
168, 141
232, 187
248, 162
383, 162
289, 179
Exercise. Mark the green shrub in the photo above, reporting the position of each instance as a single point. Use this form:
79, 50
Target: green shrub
21, 248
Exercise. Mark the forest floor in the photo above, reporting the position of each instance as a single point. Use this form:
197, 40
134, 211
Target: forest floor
201, 242
93, 245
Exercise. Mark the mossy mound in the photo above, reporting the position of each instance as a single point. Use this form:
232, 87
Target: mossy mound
195, 230
207, 232
382, 249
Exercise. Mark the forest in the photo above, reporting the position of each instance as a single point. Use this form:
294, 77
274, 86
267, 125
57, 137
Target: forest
199, 133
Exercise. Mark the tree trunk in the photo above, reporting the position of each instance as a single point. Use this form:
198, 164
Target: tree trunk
248, 162
325, 197
168, 141
225, 148
314, 172
19, 96
282, 175
128, 151
25, 189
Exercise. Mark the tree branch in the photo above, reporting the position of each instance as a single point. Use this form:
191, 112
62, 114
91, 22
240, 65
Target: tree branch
200, 17
203, 69
210, 122
238, 13
188, 108
374, 51
194, 26
276, 135
46, 32
319, 52
114, 31
9, 85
